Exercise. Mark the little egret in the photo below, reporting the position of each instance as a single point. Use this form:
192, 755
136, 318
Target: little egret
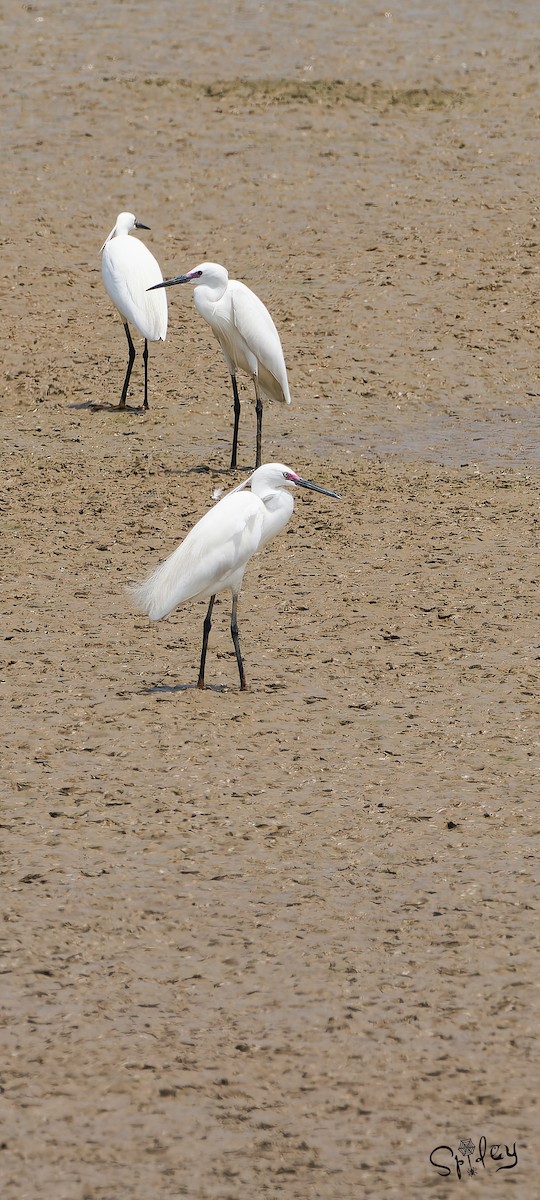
215, 553
129, 270
247, 336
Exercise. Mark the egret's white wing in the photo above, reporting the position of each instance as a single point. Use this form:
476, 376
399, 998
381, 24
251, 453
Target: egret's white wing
213, 556
129, 269
257, 330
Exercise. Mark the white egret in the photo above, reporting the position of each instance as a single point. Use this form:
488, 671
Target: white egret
247, 336
215, 553
129, 270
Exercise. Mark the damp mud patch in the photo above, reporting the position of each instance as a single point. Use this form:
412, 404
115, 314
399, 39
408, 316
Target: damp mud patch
328, 92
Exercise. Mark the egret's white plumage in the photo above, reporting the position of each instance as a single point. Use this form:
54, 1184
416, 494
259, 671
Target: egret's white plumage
247, 336
129, 272
214, 555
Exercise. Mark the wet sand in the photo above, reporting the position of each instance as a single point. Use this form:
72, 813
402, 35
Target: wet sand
281, 942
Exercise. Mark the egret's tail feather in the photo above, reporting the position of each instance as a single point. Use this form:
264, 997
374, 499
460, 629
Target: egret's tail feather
272, 387
163, 589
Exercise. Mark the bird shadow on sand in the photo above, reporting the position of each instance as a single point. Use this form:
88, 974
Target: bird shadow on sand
209, 469
94, 406
162, 690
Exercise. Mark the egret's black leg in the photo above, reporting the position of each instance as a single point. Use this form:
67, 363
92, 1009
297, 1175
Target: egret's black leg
206, 633
236, 641
131, 360
145, 360
259, 412
236, 421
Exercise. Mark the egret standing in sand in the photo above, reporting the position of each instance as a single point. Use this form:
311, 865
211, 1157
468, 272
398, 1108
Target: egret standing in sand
247, 336
215, 553
129, 270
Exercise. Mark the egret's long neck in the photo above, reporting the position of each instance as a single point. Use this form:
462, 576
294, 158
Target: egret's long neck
278, 508
206, 296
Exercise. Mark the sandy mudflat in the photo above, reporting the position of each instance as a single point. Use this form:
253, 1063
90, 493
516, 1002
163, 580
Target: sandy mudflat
281, 943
